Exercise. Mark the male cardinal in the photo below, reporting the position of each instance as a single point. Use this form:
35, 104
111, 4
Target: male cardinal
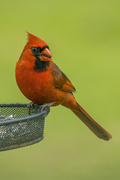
42, 82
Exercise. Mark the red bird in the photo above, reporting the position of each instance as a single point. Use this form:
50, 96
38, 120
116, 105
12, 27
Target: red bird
42, 82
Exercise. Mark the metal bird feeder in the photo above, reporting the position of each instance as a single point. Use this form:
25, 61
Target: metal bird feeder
19, 126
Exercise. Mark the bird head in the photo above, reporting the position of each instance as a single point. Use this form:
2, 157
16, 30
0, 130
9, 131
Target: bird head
36, 48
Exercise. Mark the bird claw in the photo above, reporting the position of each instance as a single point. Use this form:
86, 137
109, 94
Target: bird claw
29, 106
45, 107
35, 108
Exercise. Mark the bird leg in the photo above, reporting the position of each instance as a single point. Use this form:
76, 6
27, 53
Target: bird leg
45, 107
29, 106
38, 108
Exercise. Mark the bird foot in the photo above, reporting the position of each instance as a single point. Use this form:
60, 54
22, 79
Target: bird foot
45, 107
29, 106
38, 108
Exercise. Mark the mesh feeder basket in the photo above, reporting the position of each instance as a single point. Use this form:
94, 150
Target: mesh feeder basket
19, 126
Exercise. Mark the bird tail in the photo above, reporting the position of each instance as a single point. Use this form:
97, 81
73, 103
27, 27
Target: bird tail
98, 130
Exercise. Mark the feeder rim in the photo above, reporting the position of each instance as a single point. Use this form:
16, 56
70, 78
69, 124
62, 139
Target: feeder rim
13, 104
19, 119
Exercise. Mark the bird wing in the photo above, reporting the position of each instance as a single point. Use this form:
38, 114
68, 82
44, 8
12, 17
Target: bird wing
60, 80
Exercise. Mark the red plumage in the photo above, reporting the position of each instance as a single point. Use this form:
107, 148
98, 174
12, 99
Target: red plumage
42, 82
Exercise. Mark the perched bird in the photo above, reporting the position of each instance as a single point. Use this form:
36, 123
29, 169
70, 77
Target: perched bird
41, 81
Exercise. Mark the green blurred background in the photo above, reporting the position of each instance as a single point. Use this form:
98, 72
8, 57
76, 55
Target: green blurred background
84, 38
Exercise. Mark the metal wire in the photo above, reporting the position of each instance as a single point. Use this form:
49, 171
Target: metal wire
18, 128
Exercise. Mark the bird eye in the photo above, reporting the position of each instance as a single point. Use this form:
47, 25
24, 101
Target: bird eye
34, 50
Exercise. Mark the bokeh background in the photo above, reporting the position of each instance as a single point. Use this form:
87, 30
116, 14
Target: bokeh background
84, 38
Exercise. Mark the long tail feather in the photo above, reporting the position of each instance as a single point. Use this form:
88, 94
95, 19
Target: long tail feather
91, 123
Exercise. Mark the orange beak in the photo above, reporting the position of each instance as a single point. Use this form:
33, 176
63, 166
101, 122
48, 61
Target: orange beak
46, 55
